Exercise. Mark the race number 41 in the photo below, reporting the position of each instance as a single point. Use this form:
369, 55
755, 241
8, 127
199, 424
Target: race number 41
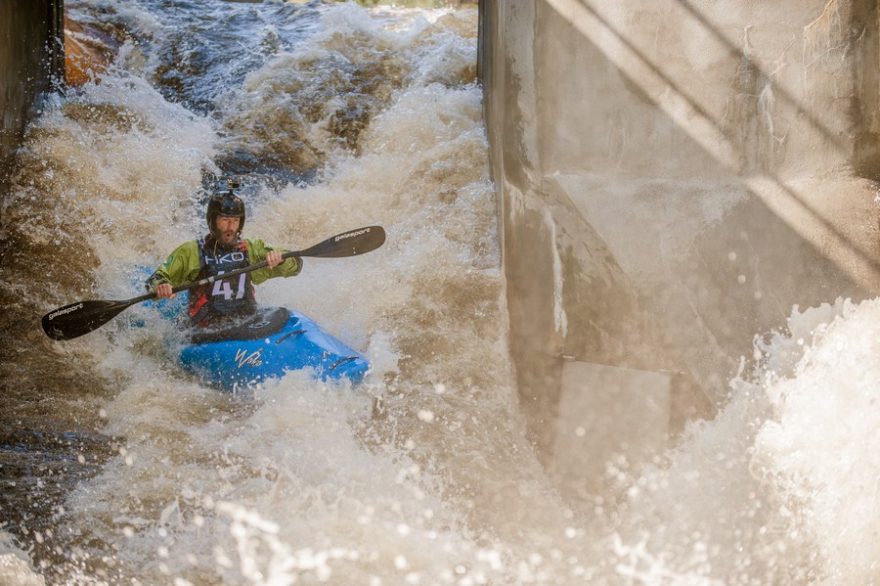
222, 287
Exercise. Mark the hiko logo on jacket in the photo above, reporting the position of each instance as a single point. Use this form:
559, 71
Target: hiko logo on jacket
228, 258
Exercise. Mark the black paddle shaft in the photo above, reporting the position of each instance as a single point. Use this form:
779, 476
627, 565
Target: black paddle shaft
82, 317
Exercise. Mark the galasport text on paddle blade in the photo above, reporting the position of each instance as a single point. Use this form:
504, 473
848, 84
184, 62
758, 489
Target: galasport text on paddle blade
349, 243
77, 319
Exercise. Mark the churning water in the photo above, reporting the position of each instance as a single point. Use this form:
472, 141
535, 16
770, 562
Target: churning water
118, 469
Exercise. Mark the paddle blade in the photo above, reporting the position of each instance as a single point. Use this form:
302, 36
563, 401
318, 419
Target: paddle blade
76, 319
349, 243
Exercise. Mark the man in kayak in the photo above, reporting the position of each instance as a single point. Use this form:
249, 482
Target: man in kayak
220, 251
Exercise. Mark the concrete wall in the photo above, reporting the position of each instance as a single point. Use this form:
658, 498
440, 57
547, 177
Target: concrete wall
674, 176
31, 53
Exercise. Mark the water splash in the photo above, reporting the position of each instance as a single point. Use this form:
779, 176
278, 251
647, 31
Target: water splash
423, 475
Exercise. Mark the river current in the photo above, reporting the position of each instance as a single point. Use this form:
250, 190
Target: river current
119, 469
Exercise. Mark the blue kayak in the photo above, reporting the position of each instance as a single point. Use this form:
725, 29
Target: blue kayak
267, 345
263, 346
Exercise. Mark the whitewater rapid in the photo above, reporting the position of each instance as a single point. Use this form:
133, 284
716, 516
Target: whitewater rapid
339, 116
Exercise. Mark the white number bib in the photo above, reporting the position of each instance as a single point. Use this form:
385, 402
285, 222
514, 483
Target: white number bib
223, 289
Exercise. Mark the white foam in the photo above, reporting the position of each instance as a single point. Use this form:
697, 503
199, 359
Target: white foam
439, 483
15, 567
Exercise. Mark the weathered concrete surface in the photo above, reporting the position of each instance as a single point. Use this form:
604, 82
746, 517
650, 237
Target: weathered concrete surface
674, 176
31, 53
609, 417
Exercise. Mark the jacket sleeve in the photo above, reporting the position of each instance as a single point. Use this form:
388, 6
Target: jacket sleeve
181, 266
257, 251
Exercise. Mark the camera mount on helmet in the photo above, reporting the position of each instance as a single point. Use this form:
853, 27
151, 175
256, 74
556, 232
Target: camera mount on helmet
225, 203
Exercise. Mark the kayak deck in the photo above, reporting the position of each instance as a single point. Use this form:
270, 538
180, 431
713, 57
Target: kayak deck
299, 343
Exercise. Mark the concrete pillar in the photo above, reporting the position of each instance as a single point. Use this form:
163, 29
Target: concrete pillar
31, 57
612, 421
673, 177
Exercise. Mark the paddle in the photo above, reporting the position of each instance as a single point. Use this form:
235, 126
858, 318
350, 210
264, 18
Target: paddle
76, 319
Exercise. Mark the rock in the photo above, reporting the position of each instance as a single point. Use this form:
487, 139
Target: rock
88, 51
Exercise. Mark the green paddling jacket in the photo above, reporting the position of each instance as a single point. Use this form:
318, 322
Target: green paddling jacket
198, 259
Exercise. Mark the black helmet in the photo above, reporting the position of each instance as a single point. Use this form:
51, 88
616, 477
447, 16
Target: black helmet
225, 204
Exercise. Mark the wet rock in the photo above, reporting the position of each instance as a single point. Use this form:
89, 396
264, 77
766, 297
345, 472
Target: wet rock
88, 51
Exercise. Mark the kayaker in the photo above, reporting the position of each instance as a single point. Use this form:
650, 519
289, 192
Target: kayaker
220, 251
